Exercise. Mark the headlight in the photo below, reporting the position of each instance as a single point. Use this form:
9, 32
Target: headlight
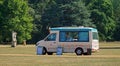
37, 44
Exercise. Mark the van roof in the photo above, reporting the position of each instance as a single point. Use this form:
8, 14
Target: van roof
73, 29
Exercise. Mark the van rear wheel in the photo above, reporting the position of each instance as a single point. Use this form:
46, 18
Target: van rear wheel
79, 51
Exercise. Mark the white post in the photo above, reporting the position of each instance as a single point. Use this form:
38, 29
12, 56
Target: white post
14, 40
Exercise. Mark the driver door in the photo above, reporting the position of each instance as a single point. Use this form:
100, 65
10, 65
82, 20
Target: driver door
51, 43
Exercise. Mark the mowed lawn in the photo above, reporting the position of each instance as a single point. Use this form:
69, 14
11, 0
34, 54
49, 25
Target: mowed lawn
108, 55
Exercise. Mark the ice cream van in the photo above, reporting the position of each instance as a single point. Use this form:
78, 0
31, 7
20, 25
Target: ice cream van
79, 40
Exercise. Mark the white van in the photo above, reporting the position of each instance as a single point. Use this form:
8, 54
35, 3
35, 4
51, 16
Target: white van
81, 40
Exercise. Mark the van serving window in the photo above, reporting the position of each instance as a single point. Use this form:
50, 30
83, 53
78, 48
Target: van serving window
84, 36
74, 36
68, 36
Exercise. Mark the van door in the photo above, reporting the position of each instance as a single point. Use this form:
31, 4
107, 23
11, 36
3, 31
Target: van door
51, 43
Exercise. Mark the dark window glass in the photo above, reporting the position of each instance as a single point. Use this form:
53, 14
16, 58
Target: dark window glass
95, 35
68, 36
84, 36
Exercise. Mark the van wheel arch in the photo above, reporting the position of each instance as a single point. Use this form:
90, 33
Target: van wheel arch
79, 51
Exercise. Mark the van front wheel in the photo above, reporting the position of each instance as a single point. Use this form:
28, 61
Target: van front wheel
44, 51
79, 51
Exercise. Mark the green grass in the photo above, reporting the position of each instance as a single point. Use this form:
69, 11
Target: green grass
26, 56
109, 44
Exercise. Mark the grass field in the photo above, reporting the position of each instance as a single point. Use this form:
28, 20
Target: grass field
108, 55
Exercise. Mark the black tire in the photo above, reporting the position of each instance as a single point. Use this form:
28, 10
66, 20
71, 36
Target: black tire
50, 53
89, 52
79, 51
44, 51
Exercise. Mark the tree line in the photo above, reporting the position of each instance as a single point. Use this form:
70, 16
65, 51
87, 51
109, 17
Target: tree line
32, 18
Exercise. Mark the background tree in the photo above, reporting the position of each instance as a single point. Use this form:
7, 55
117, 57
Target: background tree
16, 18
66, 13
0, 19
38, 8
75, 13
1, 1
116, 7
103, 17
15, 15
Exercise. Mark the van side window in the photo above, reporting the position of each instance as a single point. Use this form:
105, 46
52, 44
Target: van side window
84, 36
68, 36
51, 37
95, 35
62, 36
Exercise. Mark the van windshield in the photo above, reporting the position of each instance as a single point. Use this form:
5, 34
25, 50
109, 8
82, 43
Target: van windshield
95, 36
51, 37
